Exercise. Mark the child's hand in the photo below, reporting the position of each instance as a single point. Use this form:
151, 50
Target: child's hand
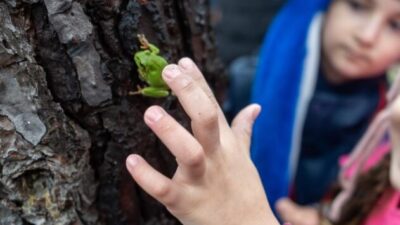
296, 214
215, 182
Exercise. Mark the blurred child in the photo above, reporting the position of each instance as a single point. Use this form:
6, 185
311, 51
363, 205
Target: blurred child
320, 82
369, 178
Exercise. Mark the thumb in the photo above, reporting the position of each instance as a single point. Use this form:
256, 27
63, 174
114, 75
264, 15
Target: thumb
287, 209
297, 215
242, 124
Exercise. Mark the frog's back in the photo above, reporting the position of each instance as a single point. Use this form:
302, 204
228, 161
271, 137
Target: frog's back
156, 67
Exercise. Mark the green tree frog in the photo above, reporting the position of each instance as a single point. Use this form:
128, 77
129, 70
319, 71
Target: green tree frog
150, 66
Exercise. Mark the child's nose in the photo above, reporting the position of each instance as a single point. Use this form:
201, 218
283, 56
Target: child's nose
369, 31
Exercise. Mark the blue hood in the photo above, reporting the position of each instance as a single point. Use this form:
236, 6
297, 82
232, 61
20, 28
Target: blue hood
277, 88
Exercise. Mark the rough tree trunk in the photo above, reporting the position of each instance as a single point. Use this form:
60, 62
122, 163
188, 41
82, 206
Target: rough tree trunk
66, 119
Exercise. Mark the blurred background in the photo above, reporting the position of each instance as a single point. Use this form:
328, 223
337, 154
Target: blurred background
240, 27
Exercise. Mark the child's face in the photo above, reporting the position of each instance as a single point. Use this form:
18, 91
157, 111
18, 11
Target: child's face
361, 38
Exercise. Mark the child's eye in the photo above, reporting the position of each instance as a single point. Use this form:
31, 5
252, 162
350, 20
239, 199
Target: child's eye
357, 5
395, 25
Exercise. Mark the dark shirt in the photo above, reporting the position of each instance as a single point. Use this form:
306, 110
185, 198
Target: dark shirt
337, 117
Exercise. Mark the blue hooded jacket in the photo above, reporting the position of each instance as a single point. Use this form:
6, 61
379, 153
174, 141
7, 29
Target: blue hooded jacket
284, 83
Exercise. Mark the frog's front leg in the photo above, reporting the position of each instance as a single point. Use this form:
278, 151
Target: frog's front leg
145, 45
153, 49
142, 73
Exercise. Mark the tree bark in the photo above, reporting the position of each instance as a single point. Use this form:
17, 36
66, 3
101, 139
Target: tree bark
67, 121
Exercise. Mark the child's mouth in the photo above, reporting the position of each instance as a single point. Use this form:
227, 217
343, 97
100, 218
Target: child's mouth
356, 56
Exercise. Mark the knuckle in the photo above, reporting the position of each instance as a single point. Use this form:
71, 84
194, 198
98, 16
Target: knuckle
162, 191
198, 77
211, 96
209, 120
196, 158
247, 130
164, 126
187, 85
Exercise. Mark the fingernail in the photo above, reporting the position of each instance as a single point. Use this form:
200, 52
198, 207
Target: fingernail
154, 114
171, 72
133, 160
186, 63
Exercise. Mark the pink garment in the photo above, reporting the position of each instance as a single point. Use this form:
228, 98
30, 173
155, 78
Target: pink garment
361, 153
386, 211
372, 160
375, 133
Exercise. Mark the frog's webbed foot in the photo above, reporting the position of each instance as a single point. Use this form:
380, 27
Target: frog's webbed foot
139, 91
144, 43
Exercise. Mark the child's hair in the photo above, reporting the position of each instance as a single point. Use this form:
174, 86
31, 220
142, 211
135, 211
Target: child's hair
369, 188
